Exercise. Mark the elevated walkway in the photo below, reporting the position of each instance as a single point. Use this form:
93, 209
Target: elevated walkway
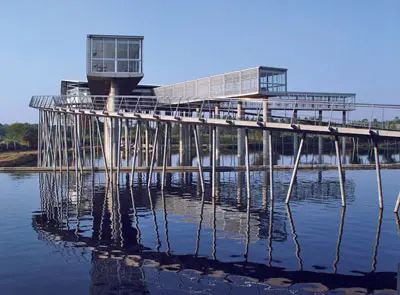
199, 113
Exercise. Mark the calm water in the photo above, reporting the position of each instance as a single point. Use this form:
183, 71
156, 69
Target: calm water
63, 235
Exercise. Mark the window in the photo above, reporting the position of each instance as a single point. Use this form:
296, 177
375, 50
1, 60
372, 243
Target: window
122, 49
112, 55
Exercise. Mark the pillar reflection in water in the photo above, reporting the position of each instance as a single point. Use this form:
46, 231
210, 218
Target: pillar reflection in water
115, 237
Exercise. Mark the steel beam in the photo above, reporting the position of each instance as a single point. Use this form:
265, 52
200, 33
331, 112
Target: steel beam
340, 171
296, 166
378, 173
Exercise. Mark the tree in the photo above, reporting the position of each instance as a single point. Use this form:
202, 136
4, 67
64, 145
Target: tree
24, 134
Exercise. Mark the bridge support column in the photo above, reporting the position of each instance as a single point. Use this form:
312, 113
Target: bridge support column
111, 128
378, 173
127, 142
240, 135
320, 142
182, 142
147, 144
119, 148
213, 160
217, 140
271, 166
188, 138
344, 139
266, 115
39, 158
140, 144
339, 163
295, 137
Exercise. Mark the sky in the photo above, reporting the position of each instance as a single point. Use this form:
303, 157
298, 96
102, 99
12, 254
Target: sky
326, 45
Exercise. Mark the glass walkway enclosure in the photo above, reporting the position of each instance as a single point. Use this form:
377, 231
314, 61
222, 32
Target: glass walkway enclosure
114, 58
249, 84
253, 82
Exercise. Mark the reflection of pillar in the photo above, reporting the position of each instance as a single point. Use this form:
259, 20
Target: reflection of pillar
239, 189
240, 135
266, 115
320, 142
111, 128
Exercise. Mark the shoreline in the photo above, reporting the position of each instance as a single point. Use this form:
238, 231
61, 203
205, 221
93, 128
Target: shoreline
172, 169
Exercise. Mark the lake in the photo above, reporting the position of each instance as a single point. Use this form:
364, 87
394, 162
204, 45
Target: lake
65, 234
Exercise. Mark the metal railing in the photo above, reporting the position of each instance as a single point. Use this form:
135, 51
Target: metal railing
372, 116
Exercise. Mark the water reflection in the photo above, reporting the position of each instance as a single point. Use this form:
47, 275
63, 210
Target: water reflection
139, 239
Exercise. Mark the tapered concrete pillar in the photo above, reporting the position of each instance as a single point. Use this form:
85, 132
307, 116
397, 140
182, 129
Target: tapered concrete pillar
111, 128
217, 140
240, 135
320, 142
266, 116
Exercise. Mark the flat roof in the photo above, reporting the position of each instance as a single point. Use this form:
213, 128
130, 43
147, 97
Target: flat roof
89, 36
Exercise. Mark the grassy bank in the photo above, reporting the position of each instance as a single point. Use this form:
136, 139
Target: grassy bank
18, 158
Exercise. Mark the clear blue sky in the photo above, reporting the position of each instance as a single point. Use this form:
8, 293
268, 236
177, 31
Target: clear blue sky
329, 45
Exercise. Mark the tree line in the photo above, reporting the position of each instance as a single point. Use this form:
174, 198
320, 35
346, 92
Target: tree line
18, 136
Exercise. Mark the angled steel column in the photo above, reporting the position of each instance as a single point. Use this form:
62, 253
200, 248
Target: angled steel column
135, 150
271, 167
339, 163
165, 154
153, 155
198, 154
378, 173
296, 165
396, 208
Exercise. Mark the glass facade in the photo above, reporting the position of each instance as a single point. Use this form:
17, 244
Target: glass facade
115, 55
